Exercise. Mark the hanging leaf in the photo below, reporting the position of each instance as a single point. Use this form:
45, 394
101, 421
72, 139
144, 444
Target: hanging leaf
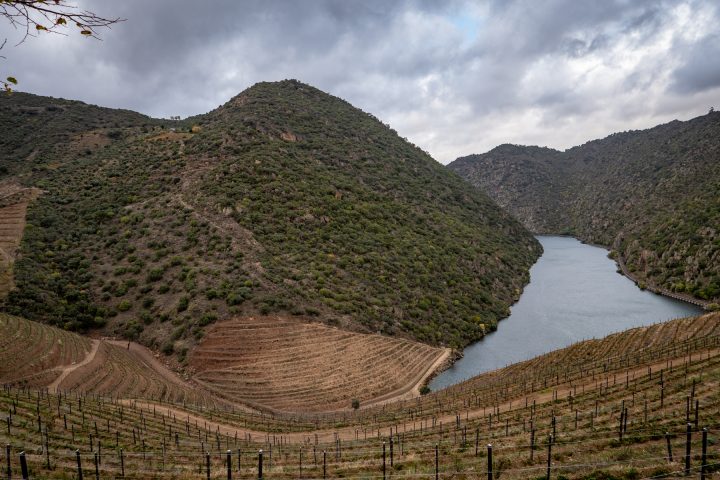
85, 32
39, 27
12, 80
61, 21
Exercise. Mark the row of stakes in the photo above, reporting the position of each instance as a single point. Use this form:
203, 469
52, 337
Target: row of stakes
688, 438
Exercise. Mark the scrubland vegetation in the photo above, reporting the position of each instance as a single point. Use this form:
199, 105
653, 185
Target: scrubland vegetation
284, 201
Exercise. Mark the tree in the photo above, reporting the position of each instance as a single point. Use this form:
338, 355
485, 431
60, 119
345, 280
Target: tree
35, 17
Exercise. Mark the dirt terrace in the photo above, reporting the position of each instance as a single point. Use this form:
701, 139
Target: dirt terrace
14, 200
283, 364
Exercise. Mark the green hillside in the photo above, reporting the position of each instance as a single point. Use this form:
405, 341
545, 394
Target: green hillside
284, 201
653, 196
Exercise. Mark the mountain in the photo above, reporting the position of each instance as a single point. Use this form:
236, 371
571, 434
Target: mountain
653, 196
284, 201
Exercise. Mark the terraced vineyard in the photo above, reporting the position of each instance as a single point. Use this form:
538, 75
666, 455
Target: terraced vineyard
13, 207
568, 414
117, 372
42, 356
288, 365
33, 354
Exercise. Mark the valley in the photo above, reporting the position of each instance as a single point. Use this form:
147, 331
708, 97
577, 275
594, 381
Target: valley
285, 275
260, 240
651, 196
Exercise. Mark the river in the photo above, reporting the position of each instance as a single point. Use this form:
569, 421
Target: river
574, 294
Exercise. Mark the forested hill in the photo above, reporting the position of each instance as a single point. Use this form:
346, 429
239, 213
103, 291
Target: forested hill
652, 195
284, 201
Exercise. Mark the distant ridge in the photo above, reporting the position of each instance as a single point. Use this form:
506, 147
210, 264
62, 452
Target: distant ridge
653, 196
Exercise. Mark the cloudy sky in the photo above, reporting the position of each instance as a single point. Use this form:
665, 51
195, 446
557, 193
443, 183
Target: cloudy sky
454, 77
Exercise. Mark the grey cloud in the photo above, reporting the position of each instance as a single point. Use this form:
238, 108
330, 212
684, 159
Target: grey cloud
532, 28
407, 60
701, 69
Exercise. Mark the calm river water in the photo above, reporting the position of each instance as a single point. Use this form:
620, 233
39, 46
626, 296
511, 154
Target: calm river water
574, 294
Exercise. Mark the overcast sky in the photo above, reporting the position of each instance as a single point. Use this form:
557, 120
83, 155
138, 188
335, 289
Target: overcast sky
453, 77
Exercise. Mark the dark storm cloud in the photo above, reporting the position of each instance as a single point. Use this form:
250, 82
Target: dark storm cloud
169, 31
701, 68
454, 77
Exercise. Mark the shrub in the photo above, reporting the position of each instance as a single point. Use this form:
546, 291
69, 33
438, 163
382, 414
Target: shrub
155, 274
234, 298
167, 348
124, 306
207, 319
183, 304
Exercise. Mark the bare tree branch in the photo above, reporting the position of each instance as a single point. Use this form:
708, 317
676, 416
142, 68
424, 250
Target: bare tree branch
36, 16
51, 16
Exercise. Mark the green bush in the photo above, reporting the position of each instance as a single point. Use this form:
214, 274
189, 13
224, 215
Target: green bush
183, 304
207, 319
167, 348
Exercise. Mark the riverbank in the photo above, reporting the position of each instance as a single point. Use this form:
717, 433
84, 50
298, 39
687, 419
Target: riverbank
704, 304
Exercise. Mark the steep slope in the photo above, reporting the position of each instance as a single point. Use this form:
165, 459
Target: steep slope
287, 365
40, 356
653, 196
522, 180
13, 206
284, 201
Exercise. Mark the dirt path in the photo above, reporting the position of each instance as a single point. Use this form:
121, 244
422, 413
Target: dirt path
348, 433
430, 371
53, 387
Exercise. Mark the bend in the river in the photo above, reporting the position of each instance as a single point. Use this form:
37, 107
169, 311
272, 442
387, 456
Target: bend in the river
575, 293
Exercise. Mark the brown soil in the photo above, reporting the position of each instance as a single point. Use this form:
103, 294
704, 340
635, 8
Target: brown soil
348, 433
64, 372
284, 364
116, 370
171, 136
13, 207
42, 356
90, 140
34, 354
